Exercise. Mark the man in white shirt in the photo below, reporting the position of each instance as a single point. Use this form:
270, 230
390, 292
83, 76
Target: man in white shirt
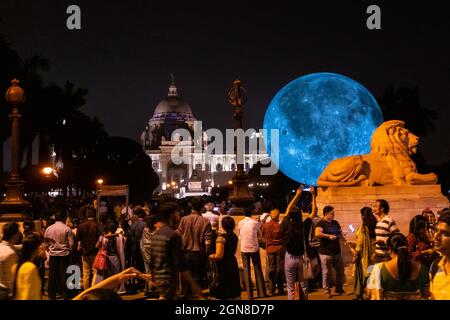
211, 216
249, 232
8, 258
58, 242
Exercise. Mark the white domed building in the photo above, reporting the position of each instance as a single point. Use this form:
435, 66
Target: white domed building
201, 172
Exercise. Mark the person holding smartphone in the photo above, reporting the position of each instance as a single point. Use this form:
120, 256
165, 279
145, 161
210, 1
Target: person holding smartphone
328, 230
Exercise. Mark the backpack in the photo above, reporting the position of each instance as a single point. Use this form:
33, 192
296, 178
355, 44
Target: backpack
314, 241
261, 241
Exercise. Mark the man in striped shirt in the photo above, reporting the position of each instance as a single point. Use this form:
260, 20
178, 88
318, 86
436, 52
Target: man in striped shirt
385, 227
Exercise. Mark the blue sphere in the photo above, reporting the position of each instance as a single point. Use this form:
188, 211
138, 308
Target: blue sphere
320, 117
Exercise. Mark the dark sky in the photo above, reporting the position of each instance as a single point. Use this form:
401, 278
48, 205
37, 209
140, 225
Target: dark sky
126, 50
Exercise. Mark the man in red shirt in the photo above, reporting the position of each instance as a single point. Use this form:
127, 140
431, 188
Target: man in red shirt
271, 232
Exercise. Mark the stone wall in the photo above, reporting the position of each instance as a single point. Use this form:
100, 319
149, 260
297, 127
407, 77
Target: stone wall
405, 202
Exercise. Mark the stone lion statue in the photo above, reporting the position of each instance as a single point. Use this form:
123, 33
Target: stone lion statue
388, 163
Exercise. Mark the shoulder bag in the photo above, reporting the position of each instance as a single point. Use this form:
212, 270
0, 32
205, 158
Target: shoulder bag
100, 260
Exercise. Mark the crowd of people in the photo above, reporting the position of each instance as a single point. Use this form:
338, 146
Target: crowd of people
390, 265
195, 250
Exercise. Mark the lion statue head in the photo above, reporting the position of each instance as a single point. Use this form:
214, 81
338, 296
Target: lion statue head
388, 163
392, 138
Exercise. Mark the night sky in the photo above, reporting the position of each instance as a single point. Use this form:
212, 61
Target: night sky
126, 50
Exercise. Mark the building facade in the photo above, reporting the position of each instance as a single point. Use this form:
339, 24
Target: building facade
200, 171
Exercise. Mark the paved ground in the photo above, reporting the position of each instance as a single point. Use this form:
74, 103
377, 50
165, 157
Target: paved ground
317, 295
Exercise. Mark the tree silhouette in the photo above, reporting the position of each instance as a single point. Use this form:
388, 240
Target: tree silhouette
9, 65
51, 112
404, 104
34, 107
443, 172
121, 160
279, 187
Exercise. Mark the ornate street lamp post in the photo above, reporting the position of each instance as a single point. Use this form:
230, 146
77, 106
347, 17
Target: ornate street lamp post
13, 206
241, 196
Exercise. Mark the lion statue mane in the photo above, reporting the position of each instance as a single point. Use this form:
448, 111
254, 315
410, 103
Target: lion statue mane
388, 163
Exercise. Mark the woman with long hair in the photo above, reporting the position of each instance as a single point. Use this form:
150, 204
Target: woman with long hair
364, 250
113, 245
293, 241
431, 222
420, 246
228, 285
401, 278
27, 282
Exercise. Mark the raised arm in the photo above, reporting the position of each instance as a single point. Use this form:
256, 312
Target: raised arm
294, 200
313, 202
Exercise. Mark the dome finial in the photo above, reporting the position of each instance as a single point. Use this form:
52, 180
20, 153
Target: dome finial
173, 92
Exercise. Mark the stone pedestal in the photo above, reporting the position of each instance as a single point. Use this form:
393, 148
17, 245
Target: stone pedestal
13, 207
405, 202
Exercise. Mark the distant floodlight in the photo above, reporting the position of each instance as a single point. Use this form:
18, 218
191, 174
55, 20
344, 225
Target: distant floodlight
47, 170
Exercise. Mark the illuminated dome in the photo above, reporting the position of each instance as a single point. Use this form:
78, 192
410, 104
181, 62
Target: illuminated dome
173, 107
173, 104
170, 114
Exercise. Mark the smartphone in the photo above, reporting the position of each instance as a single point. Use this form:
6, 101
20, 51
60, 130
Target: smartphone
216, 209
352, 229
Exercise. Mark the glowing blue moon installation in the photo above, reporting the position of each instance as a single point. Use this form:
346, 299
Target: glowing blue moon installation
320, 117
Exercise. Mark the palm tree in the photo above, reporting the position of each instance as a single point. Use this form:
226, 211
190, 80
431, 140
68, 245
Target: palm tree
72, 133
51, 112
29, 73
35, 103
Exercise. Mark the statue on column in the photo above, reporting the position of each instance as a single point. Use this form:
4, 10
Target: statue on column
145, 139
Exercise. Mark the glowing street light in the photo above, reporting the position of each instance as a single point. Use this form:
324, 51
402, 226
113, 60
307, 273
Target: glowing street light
100, 181
47, 170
